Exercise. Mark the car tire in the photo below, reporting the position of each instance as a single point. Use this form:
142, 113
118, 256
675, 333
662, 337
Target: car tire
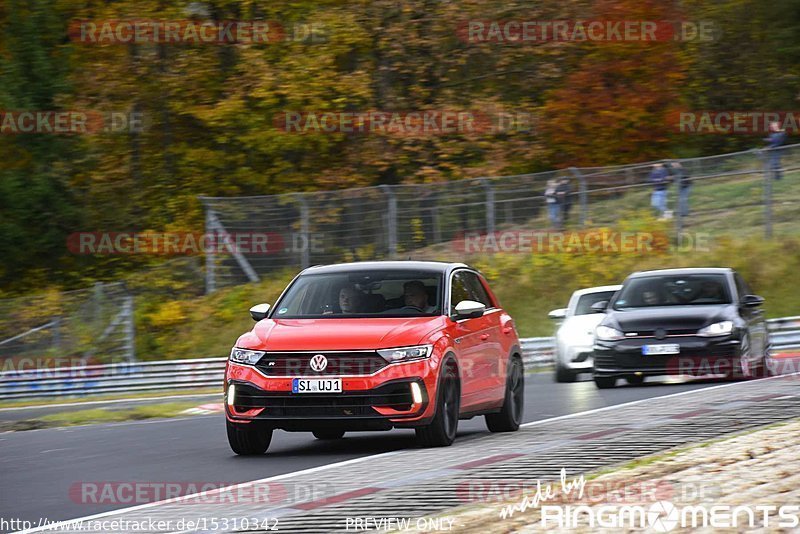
744, 371
768, 364
564, 374
328, 434
248, 441
605, 382
635, 380
509, 418
441, 432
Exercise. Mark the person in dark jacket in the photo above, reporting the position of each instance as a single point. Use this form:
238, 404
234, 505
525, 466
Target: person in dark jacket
564, 196
775, 139
684, 182
659, 177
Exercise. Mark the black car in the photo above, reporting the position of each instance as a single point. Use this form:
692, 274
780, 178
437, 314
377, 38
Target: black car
681, 322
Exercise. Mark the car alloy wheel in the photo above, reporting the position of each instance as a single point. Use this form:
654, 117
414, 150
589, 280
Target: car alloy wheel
441, 432
509, 418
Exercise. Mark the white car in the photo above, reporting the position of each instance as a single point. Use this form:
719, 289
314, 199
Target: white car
575, 334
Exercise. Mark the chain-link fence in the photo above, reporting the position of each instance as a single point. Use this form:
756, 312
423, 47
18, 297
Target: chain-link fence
751, 191
66, 329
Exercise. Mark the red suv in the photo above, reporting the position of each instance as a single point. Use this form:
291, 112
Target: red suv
373, 346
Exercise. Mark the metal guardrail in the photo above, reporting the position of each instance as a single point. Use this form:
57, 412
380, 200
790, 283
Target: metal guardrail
142, 377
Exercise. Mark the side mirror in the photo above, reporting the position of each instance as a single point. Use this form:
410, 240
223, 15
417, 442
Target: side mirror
469, 309
600, 307
558, 314
259, 311
752, 301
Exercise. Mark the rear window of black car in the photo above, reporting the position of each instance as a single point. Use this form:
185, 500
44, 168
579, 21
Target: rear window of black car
672, 290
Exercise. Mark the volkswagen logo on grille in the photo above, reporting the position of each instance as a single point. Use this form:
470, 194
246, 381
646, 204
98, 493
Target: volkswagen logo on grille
318, 362
660, 333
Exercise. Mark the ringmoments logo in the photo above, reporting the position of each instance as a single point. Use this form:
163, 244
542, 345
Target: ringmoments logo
664, 516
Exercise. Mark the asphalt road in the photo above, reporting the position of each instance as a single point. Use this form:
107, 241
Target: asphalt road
39, 467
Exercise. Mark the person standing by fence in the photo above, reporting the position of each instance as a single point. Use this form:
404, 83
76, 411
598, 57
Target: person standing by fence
775, 139
563, 195
659, 177
684, 182
551, 200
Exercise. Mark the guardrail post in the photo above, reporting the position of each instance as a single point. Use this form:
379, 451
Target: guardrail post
765, 158
489, 205
97, 297
57, 333
305, 251
678, 212
582, 194
211, 283
391, 220
130, 330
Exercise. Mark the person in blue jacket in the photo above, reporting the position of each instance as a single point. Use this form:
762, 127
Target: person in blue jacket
660, 179
775, 139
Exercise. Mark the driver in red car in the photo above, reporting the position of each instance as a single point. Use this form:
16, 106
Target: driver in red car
350, 299
416, 296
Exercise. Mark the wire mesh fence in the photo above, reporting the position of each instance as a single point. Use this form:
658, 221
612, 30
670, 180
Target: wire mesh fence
60, 329
753, 191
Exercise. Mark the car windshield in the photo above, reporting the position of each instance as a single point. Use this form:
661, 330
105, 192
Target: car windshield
585, 302
666, 290
379, 293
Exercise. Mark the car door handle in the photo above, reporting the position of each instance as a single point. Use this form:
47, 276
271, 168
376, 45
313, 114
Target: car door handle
484, 337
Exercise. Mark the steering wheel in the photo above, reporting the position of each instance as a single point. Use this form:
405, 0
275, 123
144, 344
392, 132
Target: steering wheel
412, 307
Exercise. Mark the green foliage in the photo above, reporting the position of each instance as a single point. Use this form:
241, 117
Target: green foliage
210, 110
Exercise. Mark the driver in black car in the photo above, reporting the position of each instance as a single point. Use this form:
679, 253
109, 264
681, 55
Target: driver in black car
415, 296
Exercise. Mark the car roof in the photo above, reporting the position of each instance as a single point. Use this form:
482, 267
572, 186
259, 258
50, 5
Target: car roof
684, 271
411, 265
598, 289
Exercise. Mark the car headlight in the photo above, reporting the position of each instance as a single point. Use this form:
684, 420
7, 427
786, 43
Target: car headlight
606, 333
722, 328
405, 354
246, 356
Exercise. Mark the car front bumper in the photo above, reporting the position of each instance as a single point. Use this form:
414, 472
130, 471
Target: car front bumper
577, 357
698, 356
379, 401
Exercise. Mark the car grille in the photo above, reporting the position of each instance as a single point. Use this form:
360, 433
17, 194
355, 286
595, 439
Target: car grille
671, 362
339, 363
352, 404
626, 361
666, 333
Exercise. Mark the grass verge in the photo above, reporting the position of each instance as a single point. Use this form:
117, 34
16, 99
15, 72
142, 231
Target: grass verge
100, 415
